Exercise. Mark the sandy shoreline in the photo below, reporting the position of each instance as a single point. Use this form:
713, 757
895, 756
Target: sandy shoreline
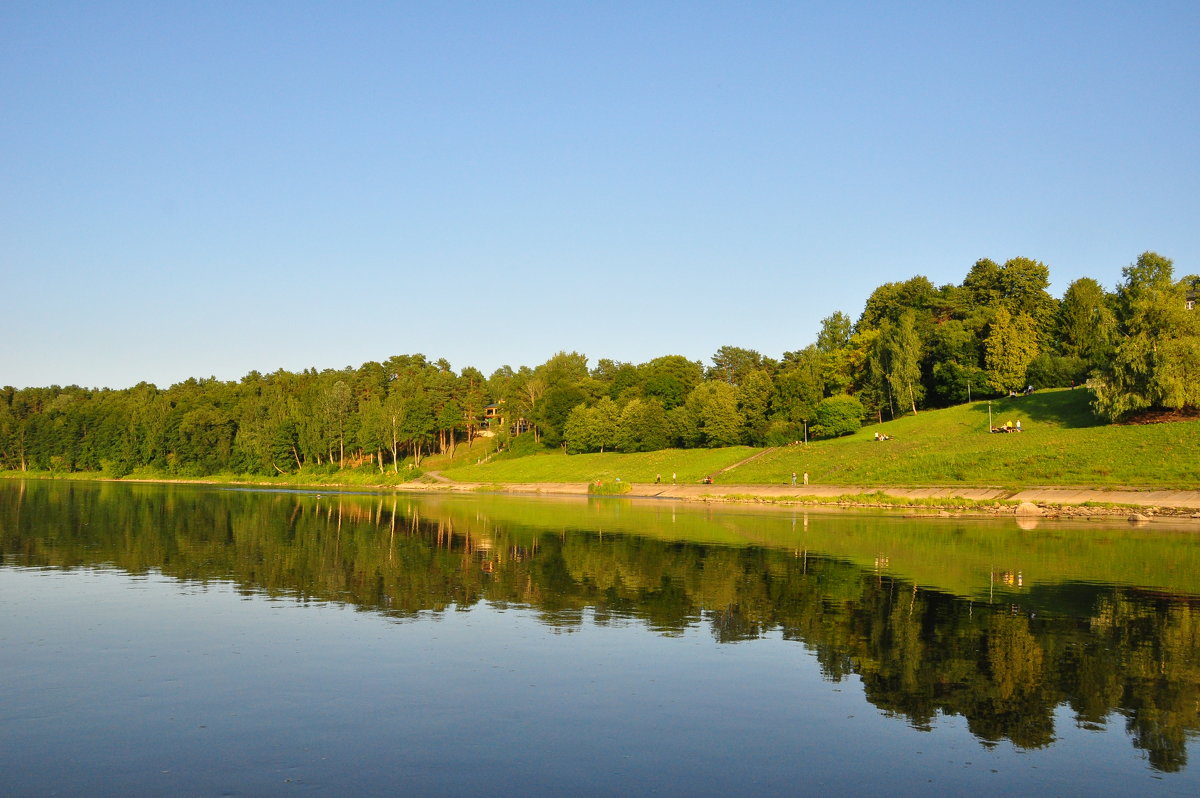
1068, 501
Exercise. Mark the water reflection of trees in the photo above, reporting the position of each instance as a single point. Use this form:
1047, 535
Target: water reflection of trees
919, 653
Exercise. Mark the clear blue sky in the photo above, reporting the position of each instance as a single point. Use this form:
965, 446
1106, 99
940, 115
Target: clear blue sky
205, 189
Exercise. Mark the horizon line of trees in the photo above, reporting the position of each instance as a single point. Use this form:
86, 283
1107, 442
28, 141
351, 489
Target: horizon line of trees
914, 346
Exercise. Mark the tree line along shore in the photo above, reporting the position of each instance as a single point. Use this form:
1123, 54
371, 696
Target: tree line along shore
943, 459
915, 348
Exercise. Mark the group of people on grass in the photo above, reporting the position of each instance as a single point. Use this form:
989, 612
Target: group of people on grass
1008, 426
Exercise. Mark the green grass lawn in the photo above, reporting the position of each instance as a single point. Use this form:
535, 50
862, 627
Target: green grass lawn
689, 465
1062, 443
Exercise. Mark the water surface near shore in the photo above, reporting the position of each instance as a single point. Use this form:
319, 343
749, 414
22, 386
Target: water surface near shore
185, 640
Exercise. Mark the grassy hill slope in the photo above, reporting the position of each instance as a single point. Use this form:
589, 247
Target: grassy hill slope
1062, 444
690, 465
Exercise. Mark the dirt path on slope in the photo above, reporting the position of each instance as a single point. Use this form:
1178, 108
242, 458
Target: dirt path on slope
740, 463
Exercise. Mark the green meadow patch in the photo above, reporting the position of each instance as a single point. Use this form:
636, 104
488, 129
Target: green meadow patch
1060, 444
687, 466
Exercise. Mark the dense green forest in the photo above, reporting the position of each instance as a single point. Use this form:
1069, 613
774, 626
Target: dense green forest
914, 346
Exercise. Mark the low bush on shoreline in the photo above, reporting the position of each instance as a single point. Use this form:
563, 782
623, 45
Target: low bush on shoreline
614, 488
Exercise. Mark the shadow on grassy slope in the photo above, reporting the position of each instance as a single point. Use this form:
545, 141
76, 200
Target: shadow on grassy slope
1068, 409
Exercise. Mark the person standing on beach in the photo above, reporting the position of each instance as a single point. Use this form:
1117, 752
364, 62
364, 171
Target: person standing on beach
805, 477
793, 477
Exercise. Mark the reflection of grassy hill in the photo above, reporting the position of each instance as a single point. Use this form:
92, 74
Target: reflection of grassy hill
1062, 444
972, 558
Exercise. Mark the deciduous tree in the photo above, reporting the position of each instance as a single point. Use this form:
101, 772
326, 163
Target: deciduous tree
714, 407
838, 415
1086, 323
1157, 360
1008, 350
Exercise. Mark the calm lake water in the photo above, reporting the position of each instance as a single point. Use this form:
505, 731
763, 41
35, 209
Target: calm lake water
172, 640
